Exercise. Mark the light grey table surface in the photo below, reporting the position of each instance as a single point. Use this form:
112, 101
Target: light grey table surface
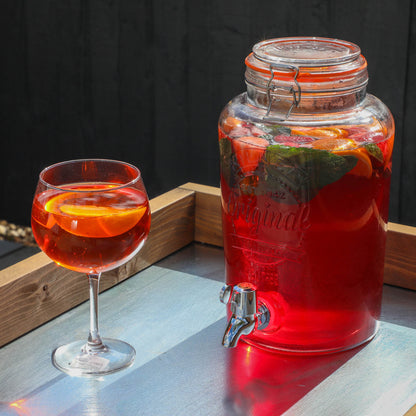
171, 314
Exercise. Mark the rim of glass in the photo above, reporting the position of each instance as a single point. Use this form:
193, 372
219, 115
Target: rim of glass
67, 162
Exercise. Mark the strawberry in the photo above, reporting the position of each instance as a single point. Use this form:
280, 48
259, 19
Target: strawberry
364, 136
239, 131
248, 151
359, 134
255, 131
221, 134
386, 148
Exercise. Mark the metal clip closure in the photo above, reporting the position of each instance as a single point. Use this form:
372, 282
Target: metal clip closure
295, 89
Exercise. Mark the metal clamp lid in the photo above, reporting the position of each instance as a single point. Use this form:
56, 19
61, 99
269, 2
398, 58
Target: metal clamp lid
295, 89
296, 93
302, 67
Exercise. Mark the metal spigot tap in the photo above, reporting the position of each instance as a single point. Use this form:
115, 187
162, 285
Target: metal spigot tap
246, 315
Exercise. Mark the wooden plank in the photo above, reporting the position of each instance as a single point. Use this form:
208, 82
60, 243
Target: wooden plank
411, 411
400, 263
36, 290
208, 226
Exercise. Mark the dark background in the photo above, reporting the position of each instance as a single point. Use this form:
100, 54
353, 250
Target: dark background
145, 80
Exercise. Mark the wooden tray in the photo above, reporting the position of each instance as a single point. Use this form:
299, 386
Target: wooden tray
36, 290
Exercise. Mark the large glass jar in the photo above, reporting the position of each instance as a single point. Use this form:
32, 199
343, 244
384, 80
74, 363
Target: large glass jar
305, 176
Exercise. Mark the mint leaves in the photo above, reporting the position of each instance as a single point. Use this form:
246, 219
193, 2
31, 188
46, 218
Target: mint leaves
296, 174
290, 175
275, 129
375, 152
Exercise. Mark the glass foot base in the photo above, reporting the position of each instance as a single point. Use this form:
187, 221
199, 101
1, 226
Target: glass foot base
74, 360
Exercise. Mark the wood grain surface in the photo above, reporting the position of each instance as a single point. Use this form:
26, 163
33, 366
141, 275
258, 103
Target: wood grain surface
400, 261
411, 411
208, 227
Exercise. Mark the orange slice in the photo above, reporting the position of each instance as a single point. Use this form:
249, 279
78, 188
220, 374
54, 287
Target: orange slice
363, 166
348, 225
348, 147
322, 132
231, 123
331, 144
92, 220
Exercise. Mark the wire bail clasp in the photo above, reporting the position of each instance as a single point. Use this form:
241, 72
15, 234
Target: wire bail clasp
295, 89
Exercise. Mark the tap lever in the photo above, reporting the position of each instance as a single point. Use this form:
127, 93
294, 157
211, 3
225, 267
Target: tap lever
225, 294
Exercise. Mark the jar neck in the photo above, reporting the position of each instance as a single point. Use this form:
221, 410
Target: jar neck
305, 76
293, 100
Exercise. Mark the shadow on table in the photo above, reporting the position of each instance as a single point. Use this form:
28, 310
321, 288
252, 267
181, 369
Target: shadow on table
260, 383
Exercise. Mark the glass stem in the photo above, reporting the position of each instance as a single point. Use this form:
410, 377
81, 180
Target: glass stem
94, 340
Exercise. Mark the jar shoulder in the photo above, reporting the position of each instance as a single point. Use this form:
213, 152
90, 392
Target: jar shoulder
371, 111
379, 110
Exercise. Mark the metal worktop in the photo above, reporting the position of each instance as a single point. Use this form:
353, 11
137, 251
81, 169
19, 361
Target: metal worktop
171, 314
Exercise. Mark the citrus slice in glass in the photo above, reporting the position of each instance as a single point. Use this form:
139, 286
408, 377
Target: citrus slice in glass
77, 214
